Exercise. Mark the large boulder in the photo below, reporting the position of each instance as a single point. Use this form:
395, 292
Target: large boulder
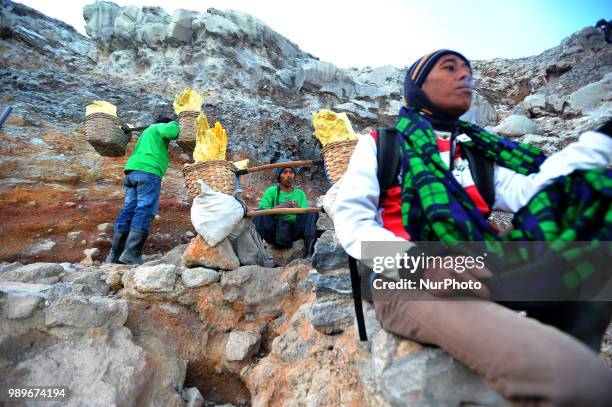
481, 112
216, 25
124, 29
315, 73
180, 29
517, 125
593, 97
100, 20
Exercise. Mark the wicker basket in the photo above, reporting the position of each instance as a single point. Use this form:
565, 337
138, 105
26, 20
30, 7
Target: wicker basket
103, 132
337, 156
187, 138
217, 174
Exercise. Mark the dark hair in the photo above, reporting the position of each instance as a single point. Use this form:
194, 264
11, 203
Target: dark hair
164, 118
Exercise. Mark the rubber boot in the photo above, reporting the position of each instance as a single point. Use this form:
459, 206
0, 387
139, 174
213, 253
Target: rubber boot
309, 243
133, 247
119, 239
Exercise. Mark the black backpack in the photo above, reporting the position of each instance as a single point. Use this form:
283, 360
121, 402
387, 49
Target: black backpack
388, 159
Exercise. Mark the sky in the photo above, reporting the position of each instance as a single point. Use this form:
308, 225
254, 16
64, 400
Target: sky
361, 33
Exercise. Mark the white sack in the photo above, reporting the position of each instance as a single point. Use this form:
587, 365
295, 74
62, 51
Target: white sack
214, 214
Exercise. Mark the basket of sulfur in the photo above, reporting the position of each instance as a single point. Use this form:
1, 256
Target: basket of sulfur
338, 139
209, 156
103, 129
187, 106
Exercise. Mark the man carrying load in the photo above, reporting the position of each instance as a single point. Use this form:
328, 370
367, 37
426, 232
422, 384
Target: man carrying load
144, 171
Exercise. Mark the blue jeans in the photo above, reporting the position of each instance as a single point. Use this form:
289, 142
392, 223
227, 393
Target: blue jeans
142, 191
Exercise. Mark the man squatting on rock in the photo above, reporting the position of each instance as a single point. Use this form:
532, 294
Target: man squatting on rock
283, 230
144, 171
545, 359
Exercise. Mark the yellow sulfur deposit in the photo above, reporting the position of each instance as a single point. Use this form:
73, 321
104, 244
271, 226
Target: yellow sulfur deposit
242, 164
330, 127
188, 100
100, 106
211, 143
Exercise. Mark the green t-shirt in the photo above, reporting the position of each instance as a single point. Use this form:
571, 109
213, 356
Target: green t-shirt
151, 150
269, 201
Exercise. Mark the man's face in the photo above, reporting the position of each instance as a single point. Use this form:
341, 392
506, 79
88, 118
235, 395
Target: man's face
287, 177
449, 85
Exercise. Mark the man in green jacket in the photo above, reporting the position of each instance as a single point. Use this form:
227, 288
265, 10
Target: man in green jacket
143, 174
283, 230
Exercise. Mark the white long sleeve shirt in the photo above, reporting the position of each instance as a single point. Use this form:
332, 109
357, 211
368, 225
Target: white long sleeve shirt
357, 214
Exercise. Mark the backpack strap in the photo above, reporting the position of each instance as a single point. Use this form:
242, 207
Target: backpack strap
356, 288
387, 157
483, 173
276, 201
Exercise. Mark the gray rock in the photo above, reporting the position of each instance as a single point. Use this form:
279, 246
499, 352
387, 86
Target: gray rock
331, 317
259, 288
325, 223
199, 276
88, 283
100, 19
315, 73
194, 397
41, 247
216, 25
190, 72
430, 377
174, 256
356, 109
556, 102
90, 312
330, 284
481, 112
40, 273
154, 35
180, 29
286, 76
254, 29
21, 306
102, 369
124, 27
593, 97
241, 345
517, 125
151, 279
370, 91
532, 101
381, 76
328, 253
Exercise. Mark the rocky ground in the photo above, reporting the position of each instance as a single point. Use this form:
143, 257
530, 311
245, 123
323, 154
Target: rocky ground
214, 332
261, 87
165, 334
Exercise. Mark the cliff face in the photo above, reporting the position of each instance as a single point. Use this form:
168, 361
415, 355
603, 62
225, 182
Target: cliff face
258, 84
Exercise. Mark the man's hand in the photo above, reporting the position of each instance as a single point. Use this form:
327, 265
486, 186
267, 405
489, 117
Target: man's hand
287, 204
473, 274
